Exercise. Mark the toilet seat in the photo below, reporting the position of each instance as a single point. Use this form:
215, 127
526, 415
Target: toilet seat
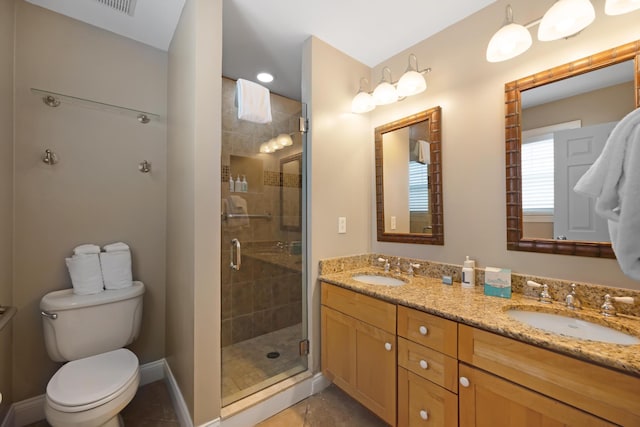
86, 383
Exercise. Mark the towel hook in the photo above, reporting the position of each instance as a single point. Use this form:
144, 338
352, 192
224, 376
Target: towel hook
49, 157
144, 166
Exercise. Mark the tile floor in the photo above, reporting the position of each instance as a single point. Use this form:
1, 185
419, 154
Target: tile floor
246, 368
151, 407
329, 408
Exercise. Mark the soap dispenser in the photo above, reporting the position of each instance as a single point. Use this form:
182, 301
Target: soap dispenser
468, 273
245, 184
238, 184
232, 186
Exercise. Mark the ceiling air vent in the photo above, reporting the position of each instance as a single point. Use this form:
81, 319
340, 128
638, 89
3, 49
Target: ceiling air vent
122, 6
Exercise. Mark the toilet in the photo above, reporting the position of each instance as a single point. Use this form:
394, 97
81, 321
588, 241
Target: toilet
89, 332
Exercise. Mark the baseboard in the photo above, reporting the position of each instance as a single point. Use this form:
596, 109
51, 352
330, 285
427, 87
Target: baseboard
31, 410
182, 411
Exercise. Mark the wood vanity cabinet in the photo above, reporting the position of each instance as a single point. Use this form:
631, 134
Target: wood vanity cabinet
359, 348
538, 387
427, 370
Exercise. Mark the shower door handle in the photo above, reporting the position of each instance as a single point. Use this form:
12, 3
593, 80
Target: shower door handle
236, 243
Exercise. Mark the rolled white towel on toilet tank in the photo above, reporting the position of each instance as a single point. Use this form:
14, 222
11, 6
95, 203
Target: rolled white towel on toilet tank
114, 247
86, 275
86, 249
116, 269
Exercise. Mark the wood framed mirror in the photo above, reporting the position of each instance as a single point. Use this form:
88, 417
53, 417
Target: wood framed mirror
409, 179
574, 126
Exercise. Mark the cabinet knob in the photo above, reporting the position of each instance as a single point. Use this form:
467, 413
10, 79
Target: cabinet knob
464, 381
424, 415
387, 346
423, 330
424, 364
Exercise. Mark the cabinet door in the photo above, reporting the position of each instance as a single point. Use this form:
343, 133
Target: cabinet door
491, 401
421, 403
338, 348
376, 370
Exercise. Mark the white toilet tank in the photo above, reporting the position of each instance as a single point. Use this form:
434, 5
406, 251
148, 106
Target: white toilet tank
77, 326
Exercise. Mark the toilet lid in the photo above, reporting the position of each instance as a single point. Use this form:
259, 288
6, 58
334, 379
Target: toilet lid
84, 381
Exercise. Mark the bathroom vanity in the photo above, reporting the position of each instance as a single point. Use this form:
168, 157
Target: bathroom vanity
461, 361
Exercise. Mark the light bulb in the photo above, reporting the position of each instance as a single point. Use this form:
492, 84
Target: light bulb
411, 83
265, 148
385, 93
284, 140
362, 103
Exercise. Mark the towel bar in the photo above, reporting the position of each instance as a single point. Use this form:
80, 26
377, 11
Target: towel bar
226, 216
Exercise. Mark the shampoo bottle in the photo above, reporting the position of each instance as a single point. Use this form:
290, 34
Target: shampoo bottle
468, 273
245, 184
231, 184
238, 185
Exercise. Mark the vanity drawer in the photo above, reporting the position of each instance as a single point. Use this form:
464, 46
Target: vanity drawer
431, 331
429, 364
422, 403
365, 308
600, 391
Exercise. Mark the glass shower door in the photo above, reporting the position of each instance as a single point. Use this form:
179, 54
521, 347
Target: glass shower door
263, 301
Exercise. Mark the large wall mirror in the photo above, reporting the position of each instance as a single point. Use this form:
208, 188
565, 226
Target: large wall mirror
557, 122
409, 180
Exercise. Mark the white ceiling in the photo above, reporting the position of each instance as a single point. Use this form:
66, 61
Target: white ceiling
268, 35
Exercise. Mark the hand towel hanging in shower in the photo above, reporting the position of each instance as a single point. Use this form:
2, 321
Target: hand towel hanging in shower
254, 103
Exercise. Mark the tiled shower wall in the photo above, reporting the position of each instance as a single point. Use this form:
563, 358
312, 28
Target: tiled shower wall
262, 297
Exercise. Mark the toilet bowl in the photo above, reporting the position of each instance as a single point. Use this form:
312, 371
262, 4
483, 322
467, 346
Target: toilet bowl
89, 332
92, 391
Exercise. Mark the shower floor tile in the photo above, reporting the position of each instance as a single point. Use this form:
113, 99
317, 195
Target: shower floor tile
247, 369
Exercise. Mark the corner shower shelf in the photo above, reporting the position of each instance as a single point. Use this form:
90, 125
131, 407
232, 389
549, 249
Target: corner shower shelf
53, 99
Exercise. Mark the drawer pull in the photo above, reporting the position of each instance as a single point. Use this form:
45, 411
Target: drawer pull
423, 330
464, 381
424, 415
387, 346
424, 364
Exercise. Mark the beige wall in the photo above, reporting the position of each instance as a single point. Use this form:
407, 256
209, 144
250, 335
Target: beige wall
95, 194
471, 93
193, 207
6, 189
613, 103
340, 169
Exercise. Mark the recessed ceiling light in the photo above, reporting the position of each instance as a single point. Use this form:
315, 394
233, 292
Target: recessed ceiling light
265, 77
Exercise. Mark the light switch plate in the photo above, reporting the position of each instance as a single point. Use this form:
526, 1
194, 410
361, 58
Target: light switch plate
393, 223
342, 224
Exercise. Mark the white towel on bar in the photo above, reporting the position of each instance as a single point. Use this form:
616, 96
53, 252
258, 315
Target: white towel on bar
238, 206
86, 249
424, 152
86, 275
254, 102
614, 180
116, 266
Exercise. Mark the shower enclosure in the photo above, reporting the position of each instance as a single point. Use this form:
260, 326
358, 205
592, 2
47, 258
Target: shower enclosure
263, 301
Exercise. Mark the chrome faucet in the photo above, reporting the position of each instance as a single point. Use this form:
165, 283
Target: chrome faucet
398, 267
572, 301
544, 296
410, 271
386, 264
608, 310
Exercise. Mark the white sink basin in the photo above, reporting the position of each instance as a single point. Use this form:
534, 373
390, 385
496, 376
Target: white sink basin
372, 279
571, 327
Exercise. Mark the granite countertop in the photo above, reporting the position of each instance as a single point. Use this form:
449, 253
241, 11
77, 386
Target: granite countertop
472, 307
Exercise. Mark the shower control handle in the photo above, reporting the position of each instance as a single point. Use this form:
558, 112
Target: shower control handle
235, 243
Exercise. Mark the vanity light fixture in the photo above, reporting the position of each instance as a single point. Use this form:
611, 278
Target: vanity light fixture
565, 18
277, 143
510, 41
387, 91
619, 7
562, 20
